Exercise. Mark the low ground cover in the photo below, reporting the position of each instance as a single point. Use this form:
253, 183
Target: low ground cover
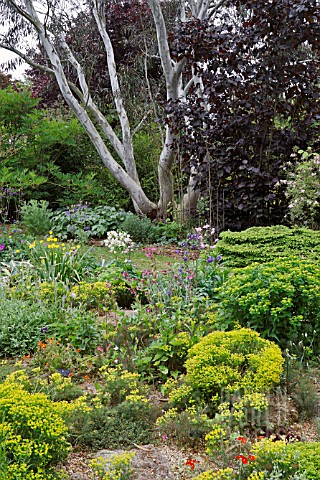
127, 347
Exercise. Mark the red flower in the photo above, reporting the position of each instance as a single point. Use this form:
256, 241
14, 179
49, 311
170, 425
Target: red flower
243, 459
191, 463
242, 440
252, 457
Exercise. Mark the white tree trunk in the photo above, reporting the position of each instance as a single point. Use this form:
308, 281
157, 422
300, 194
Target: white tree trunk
81, 103
128, 180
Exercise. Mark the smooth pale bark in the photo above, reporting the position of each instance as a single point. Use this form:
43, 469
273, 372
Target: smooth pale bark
143, 204
191, 197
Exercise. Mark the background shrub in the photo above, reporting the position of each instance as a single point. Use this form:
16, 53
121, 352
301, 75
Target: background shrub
36, 217
264, 244
280, 300
303, 190
139, 228
235, 361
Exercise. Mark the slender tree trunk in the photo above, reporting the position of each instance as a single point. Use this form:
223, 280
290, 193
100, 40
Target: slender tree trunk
191, 197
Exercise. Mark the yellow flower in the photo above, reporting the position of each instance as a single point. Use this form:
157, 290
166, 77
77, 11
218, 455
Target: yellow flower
78, 246
51, 232
62, 244
55, 239
32, 245
17, 251
40, 241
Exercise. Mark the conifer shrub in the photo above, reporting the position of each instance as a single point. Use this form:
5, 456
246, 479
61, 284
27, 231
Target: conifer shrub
265, 244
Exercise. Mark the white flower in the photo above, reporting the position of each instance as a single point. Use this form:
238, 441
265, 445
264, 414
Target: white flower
118, 241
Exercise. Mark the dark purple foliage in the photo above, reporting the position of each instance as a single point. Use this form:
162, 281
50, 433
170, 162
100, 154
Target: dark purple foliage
259, 98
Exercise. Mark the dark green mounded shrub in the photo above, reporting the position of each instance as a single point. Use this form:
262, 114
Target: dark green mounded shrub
280, 300
264, 244
239, 360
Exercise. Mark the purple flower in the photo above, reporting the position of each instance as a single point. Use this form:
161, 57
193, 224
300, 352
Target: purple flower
211, 259
219, 258
2, 247
185, 259
44, 329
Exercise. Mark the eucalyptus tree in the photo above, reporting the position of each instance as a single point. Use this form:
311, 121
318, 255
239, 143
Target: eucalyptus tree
48, 22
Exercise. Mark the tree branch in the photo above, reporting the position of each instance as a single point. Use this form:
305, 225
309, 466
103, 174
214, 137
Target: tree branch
26, 59
128, 157
162, 38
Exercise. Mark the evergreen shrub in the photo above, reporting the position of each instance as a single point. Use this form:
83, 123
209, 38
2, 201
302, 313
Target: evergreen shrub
265, 244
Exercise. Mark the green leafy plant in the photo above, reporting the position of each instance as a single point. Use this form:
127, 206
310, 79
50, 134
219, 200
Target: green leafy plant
239, 360
76, 327
20, 326
122, 277
36, 217
32, 431
280, 300
82, 221
14, 244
